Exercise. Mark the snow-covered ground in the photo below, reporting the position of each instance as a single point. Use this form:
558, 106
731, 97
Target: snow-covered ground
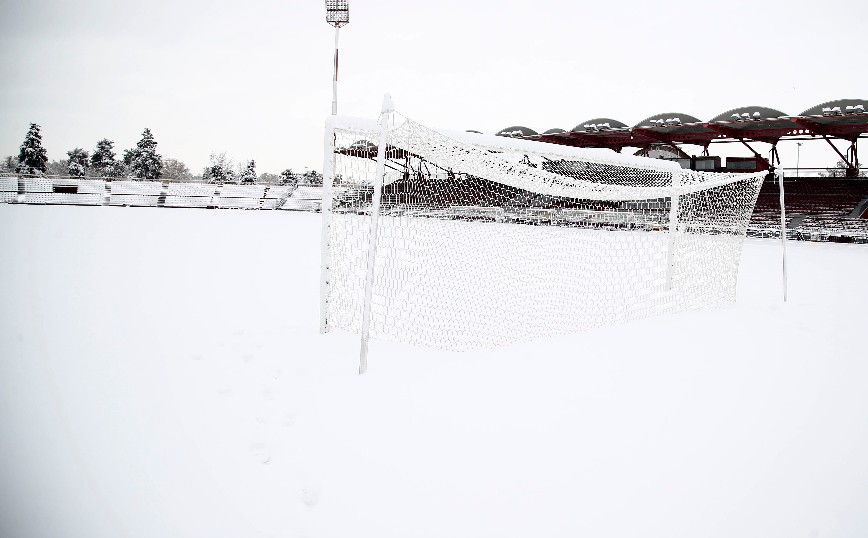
162, 374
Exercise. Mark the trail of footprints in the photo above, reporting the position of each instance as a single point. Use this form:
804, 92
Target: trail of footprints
268, 410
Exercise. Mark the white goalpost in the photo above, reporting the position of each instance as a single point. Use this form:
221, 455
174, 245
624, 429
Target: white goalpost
456, 240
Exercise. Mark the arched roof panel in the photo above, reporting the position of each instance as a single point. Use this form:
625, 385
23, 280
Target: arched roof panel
842, 103
516, 130
764, 113
613, 124
685, 118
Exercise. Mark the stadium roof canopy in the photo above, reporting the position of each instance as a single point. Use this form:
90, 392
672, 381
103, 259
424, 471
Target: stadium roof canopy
757, 123
845, 119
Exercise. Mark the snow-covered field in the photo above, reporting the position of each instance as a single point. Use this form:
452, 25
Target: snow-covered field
162, 374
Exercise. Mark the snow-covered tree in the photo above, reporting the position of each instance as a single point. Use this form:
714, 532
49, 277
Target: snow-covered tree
219, 170
9, 164
311, 177
78, 161
143, 161
57, 168
32, 159
267, 178
843, 170
288, 178
175, 169
247, 175
103, 162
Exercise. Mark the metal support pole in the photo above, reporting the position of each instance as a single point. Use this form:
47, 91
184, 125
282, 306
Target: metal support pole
780, 175
328, 176
335, 79
385, 117
673, 228
798, 157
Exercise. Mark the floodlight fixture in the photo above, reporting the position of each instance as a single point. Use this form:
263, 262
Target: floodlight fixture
337, 12
337, 15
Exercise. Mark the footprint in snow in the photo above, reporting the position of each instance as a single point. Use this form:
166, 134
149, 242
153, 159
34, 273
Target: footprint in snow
260, 453
288, 420
309, 496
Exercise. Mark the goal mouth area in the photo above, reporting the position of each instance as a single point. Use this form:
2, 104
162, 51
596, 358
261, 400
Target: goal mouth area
461, 241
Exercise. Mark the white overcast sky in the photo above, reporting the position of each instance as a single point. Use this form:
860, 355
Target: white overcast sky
253, 78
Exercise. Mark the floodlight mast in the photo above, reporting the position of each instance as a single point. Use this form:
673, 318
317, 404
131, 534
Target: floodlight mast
337, 14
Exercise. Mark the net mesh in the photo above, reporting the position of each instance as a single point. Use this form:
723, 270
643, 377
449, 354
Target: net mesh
487, 241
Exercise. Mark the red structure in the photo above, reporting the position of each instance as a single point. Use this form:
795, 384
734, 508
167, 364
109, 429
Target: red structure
843, 119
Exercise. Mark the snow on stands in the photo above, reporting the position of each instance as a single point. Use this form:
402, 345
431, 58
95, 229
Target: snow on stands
162, 374
159, 193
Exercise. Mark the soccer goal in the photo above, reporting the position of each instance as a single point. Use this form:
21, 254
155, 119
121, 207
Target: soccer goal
457, 240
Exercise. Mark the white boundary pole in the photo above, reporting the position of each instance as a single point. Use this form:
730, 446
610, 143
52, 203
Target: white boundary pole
328, 177
385, 117
673, 228
780, 175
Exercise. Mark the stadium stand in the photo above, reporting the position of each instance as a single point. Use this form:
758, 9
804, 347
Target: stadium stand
8, 190
304, 198
814, 196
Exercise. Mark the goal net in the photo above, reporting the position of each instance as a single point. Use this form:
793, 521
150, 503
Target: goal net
486, 241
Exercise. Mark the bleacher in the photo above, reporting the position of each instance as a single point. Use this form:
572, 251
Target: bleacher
304, 198
239, 196
276, 196
817, 209
813, 196
190, 195
63, 198
135, 193
91, 186
8, 190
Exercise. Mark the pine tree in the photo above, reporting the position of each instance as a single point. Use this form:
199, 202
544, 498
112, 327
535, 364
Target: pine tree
78, 160
103, 161
288, 178
143, 160
311, 177
248, 174
32, 159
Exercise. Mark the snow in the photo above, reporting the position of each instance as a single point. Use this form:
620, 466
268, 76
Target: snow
504, 143
162, 374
